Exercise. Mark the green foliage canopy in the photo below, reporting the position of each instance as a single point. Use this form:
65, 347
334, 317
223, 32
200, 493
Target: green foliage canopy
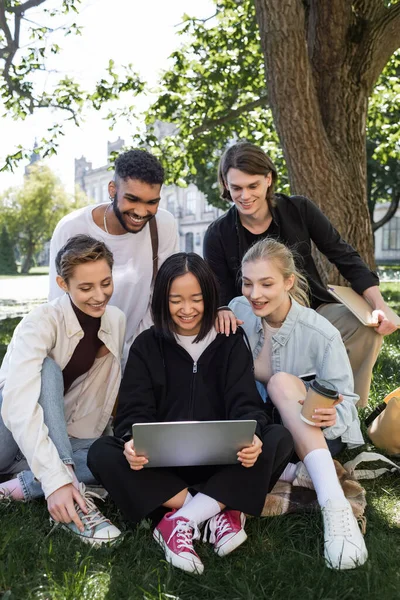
31, 212
215, 92
25, 49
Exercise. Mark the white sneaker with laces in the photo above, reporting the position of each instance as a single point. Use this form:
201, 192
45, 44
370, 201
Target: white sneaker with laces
98, 529
344, 545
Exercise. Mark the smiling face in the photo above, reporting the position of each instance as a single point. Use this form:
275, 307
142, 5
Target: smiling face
266, 289
186, 304
248, 192
135, 202
90, 287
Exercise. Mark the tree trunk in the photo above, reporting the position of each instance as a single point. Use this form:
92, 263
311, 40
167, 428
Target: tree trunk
318, 92
28, 261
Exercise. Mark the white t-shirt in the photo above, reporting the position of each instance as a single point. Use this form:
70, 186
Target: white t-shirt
196, 349
132, 271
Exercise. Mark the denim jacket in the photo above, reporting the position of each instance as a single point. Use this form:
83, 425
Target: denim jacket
307, 343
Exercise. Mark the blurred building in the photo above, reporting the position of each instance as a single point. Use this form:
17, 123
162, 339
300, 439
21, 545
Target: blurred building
189, 206
387, 238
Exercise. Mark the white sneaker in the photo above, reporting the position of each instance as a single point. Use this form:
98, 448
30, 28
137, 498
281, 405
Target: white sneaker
302, 478
344, 545
98, 529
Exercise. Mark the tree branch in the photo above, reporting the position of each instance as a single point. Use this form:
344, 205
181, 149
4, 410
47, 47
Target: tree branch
19, 10
236, 112
381, 40
394, 204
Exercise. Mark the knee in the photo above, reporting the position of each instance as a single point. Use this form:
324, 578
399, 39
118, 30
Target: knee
277, 384
104, 453
51, 370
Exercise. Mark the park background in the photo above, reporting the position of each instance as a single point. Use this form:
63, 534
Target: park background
316, 83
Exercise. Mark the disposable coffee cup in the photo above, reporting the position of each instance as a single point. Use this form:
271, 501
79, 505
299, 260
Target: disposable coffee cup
321, 394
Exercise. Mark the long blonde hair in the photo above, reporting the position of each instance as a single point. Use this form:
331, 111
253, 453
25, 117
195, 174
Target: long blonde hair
270, 249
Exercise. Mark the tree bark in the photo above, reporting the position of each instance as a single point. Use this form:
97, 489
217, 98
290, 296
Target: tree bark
318, 89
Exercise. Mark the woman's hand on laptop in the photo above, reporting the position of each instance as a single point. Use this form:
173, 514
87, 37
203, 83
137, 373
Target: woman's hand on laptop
136, 462
248, 456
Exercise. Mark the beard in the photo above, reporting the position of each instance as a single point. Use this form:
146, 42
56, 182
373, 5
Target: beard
121, 219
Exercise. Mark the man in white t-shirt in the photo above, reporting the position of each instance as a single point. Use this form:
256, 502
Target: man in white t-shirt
124, 225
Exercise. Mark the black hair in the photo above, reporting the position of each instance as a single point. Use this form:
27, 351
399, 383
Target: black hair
139, 164
78, 250
175, 266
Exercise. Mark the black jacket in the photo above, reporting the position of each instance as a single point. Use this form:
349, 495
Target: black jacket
298, 221
162, 383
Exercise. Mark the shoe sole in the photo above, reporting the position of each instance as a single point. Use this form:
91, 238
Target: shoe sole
176, 561
93, 541
232, 544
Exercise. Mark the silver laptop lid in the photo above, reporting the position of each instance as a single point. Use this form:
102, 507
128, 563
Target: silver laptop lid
191, 443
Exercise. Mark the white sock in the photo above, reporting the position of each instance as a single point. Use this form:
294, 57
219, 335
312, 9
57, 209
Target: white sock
187, 499
289, 474
321, 469
199, 509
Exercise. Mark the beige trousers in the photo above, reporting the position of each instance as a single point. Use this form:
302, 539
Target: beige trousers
362, 345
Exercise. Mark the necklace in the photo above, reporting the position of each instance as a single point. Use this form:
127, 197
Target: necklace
105, 219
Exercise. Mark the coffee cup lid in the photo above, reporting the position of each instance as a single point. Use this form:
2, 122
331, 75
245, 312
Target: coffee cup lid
326, 388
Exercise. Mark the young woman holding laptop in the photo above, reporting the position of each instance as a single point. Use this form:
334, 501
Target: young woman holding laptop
182, 370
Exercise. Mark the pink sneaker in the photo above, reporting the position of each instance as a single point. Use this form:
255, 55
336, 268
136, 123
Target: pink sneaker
226, 531
175, 536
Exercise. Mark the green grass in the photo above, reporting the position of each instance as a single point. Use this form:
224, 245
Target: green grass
282, 559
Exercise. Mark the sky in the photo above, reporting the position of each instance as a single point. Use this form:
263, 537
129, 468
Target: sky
143, 33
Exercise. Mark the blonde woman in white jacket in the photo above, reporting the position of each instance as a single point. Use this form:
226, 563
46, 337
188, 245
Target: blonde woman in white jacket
58, 385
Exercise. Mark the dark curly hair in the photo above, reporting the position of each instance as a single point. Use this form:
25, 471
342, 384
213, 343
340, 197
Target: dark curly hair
139, 164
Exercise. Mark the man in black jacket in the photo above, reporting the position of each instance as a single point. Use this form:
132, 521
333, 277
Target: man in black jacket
246, 177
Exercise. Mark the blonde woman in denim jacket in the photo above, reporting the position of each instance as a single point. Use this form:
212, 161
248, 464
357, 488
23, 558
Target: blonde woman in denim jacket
288, 341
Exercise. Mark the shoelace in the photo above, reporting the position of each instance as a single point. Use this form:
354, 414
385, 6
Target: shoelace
186, 532
338, 522
216, 527
94, 517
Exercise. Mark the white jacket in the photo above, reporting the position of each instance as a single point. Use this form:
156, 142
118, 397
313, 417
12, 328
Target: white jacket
53, 330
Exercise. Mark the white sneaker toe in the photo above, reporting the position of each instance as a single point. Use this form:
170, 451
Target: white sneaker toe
344, 545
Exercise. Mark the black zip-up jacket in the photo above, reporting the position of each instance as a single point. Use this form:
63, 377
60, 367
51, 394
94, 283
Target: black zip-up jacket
297, 221
162, 383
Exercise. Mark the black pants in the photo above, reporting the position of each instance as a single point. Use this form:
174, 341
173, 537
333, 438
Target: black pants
139, 493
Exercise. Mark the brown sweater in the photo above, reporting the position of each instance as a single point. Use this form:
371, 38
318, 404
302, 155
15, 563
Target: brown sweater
85, 352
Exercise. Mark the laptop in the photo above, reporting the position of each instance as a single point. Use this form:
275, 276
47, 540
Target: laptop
192, 443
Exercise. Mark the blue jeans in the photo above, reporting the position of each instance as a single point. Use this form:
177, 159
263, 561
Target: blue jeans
72, 451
